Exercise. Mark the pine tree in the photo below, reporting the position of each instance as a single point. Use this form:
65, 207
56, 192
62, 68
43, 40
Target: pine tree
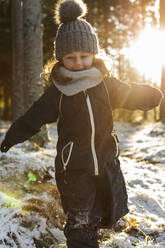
162, 27
33, 85
17, 59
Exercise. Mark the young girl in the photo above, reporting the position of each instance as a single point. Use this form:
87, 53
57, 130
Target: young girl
81, 99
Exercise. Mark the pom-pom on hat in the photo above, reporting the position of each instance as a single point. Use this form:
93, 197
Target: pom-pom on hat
74, 33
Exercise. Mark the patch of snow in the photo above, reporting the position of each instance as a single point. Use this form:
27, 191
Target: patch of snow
142, 162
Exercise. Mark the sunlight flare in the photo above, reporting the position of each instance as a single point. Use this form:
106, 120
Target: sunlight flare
147, 54
10, 201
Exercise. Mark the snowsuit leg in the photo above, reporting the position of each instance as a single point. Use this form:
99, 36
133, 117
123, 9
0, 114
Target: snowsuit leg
82, 206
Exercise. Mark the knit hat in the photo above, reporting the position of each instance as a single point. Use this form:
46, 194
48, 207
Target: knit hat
74, 33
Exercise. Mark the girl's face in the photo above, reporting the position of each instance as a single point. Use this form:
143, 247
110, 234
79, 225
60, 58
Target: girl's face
78, 61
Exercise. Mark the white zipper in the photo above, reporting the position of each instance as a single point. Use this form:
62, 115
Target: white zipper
92, 135
65, 163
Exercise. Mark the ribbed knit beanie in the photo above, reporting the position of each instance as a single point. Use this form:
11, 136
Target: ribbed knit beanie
74, 33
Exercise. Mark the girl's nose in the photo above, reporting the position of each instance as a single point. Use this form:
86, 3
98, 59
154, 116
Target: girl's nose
78, 61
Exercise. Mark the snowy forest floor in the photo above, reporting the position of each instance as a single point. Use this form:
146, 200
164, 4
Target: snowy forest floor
30, 211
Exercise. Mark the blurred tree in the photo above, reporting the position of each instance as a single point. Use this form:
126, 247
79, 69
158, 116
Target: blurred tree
162, 27
33, 86
5, 61
49, 28
17, 59
32, 51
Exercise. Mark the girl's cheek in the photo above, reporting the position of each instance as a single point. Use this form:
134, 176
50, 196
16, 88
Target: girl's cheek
68, 64
69, 67
89, 63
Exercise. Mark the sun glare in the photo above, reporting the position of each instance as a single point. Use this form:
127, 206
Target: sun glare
147, 54
10, 201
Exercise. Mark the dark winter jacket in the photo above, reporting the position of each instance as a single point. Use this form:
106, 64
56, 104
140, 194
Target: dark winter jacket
86, 142
84, 121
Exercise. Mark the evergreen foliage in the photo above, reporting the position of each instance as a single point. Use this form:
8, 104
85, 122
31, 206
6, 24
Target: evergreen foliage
5, 61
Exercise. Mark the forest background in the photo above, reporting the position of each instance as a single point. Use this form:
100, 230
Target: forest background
129, 31
27, 34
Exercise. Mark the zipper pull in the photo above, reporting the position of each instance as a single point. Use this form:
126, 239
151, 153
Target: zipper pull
85, 93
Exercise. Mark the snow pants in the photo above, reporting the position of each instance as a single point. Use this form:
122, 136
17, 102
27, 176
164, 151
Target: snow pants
81, 203
91, 202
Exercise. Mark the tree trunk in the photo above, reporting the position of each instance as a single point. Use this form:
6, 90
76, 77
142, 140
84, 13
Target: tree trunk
17, 59
6, 113
33, 59
162, 27
162, 106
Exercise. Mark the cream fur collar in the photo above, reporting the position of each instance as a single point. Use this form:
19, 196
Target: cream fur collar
80, 80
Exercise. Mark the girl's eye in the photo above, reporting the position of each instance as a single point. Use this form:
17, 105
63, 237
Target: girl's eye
85, 56
70, 57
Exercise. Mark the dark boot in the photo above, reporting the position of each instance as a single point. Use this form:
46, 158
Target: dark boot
77, 238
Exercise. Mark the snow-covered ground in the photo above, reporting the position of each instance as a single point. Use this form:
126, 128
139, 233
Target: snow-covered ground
30, 212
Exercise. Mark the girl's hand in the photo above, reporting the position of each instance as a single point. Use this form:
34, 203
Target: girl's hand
5, 146
151, 97
145, 97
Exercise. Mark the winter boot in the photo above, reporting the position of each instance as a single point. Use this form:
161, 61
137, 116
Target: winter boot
78, 238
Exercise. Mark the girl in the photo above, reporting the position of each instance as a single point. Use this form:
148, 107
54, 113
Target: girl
82, 97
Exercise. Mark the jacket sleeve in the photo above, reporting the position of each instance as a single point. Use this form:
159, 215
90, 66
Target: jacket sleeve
135, 96
44, 110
